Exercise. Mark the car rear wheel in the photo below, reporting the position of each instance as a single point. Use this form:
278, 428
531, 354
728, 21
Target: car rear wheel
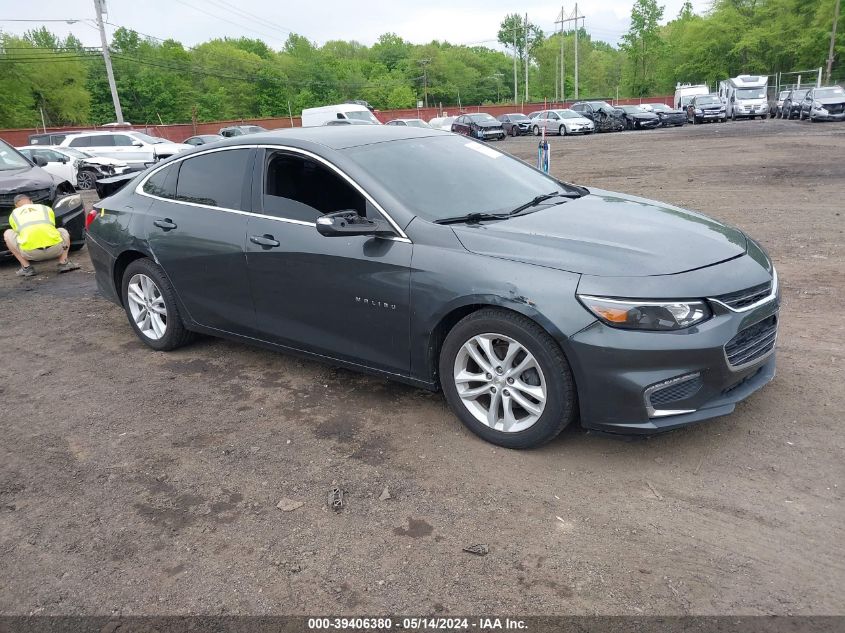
536, 130
86, 179
506, 379
150, 304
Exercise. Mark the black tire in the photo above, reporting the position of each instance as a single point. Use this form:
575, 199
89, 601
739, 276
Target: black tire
561, 399
86, 179
561, 131
513, 131
175, 335
536, 130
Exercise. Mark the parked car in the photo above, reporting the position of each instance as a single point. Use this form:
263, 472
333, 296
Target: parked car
240, 130
20, 175
408, 123
343, 111
668, 116
776, 107
823, 104
703, 108
792, 103
604, 116
79, 169
515, 124
203, 139
442, 123
446, 264
562, 121
480, 125
48, 138
347, 122
637, 118
136, 148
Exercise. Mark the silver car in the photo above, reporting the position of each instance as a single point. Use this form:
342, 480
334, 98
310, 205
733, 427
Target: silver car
562, 122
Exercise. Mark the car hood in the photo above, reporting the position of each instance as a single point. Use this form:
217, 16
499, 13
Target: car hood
831, 100
644, 115
487, 124
670, 113
608, 234
98, 160
26, 179
579, 120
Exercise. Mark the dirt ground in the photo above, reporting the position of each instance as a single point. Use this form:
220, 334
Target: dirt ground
138, 482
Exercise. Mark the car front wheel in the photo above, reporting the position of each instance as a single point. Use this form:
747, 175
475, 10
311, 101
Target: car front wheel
150, 304
86, 179
506, 379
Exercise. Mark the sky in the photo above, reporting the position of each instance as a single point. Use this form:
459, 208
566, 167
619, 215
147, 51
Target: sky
473, 22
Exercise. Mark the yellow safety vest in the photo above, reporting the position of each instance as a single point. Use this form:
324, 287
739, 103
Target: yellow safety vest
35, 225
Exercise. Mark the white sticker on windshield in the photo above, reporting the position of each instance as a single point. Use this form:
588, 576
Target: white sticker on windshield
483, 149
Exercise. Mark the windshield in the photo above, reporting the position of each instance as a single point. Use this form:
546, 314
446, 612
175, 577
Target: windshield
152, 140
72, 151
708, 100
632, 109
416, 123
440, 177
10, 159
518, 117
660, 106
481, 118
365, 115
568, 114
825, 93
798, 94
750, 93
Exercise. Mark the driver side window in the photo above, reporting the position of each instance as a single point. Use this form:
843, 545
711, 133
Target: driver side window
299, 188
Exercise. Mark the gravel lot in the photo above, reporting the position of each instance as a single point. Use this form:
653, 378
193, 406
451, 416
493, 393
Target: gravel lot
137, 482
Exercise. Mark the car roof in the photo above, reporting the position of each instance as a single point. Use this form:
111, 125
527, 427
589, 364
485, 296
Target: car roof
335, 136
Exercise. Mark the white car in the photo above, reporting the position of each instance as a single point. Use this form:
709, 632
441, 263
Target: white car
132, 147
75, 166
408, 123
442, 123
562, 121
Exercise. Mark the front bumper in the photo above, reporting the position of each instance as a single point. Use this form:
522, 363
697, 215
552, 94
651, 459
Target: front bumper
819, 115
617, 372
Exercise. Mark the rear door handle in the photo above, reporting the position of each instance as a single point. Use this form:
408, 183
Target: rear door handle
266, 240
166, 224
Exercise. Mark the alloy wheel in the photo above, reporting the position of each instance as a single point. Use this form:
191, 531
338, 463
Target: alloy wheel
147, 306
85, 180
500, 382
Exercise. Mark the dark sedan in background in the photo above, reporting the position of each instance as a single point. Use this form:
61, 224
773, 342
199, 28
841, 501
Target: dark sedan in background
668, 116
20, 175
637, 118
791, 107
439, 261
515, 124
203, 139
605, 117
481, 126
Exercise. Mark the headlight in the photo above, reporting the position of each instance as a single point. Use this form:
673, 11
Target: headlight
698, 110
67, 203
634, 314
722, 109
817, 104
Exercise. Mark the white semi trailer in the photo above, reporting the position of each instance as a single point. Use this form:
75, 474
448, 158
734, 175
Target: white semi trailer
745, 96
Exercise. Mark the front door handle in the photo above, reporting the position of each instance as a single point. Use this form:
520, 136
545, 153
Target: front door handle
266, 240
166, 224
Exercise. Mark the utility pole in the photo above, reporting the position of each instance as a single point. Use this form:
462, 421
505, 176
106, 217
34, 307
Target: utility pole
424, 63
99, 7
832, 40
574, 17
515, 89
562, 60
526, 58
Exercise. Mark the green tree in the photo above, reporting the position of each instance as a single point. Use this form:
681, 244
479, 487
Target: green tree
643, 45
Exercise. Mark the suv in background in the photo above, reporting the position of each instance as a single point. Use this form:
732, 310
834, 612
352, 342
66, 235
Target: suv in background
240, 130
823, 104
136, 148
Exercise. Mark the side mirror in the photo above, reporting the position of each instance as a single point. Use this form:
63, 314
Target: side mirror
346, 223
63, 160
40, 161
137, 144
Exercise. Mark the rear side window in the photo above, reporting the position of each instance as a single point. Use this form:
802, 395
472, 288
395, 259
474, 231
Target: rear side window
215, 179
121, 140
163, 183
82, 141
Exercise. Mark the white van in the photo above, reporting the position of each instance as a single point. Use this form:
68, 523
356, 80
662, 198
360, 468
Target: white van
685, 92
745, 96
312, 117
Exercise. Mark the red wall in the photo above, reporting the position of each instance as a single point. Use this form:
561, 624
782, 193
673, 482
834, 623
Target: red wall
180, 131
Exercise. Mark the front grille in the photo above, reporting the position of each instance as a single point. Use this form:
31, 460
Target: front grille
38, 196
835, 108
747, 297
675, 392
753, 342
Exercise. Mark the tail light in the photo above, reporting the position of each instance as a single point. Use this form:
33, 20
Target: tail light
89, 218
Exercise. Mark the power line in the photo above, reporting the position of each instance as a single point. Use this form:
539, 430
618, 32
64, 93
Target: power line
230, 21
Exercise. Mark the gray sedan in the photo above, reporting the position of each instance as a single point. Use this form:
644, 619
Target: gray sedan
439, 261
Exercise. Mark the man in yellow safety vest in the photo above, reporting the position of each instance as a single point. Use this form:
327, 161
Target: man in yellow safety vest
35, 238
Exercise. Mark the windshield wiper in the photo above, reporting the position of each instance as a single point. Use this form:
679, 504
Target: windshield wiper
473, 218
541, 199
